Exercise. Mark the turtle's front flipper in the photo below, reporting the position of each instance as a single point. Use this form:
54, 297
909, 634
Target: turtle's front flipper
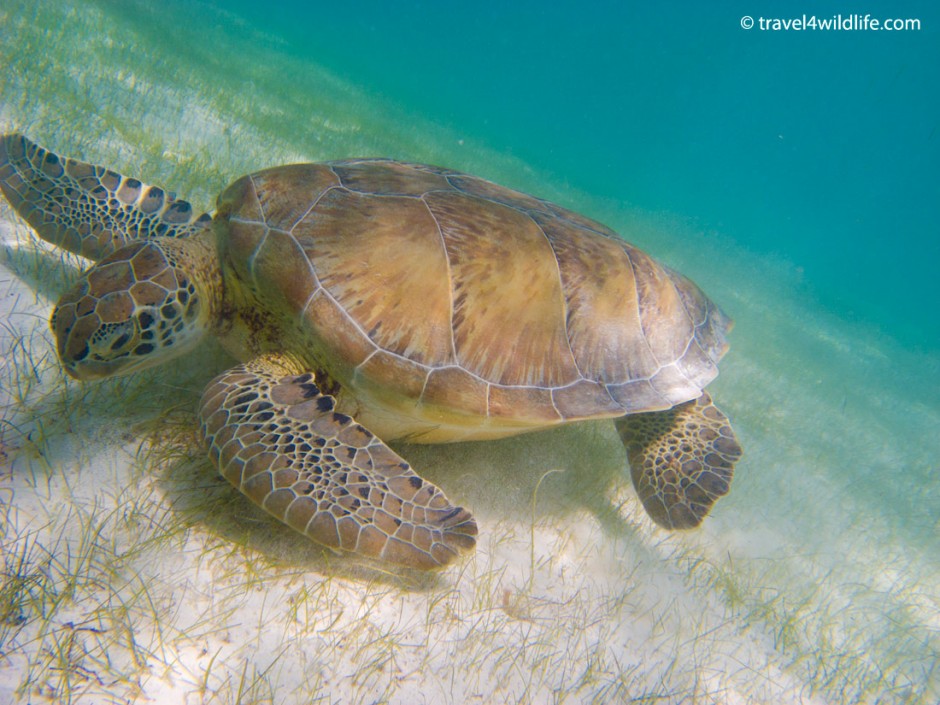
682, 460
87, 209
275, 436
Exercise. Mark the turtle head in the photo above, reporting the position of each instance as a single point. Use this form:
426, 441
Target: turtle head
135, 308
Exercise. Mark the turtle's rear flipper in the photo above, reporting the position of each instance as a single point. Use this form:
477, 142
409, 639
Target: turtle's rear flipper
682, 460
276, 437
87, 209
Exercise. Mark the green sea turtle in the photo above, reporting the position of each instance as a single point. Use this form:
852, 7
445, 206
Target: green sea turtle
372, 300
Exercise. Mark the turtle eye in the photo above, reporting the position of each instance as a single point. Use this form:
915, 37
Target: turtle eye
111, 339
165, 324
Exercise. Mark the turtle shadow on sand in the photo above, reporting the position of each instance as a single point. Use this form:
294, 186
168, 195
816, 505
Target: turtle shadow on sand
547, 474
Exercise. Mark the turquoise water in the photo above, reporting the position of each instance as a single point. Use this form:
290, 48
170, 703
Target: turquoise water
794, 175
821, 147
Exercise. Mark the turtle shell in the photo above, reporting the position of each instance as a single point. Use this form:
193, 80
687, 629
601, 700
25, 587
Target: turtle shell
460, 303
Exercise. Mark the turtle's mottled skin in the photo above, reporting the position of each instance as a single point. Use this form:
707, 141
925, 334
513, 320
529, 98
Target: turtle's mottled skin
372, 300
